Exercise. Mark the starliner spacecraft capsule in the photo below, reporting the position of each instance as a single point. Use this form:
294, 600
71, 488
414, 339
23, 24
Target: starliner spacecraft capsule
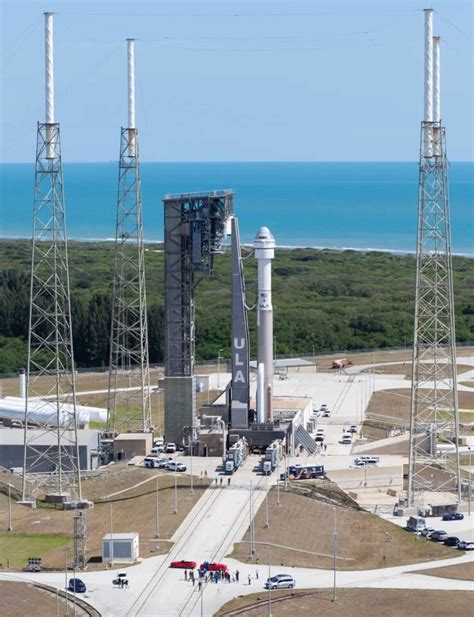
264, 246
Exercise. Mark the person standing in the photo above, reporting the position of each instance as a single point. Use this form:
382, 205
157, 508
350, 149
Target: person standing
237, 575
185, 575
249, 579
199, 585
228, 481
256, 574
221, 482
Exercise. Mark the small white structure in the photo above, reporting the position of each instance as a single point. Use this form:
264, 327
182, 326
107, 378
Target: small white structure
120, 547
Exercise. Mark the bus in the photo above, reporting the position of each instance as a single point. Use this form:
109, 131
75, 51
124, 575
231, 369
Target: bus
304, 472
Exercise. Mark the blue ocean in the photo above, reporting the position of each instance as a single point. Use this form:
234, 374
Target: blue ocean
332, 205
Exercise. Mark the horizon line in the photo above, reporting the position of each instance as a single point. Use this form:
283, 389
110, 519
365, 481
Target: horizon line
254, 162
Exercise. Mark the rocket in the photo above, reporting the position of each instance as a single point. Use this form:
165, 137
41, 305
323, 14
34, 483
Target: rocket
264, 246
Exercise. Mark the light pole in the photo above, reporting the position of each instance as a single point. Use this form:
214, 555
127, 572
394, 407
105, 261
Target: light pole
219, 368
269, 583
111, 537
65, 581
175, 511
157, 534
334, 543
470, 481
251, 528
191, 445
10, 522
267, 521
278, 484
286, 473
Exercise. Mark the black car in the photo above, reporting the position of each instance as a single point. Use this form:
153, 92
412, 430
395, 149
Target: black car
76, 585
438, 536
453, 516
451, 541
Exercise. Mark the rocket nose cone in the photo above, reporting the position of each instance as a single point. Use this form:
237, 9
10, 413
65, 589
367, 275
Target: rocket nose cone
264, 234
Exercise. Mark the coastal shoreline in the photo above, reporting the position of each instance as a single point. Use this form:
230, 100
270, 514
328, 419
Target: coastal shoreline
288, 247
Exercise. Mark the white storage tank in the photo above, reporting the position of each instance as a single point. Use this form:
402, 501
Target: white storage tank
120, 547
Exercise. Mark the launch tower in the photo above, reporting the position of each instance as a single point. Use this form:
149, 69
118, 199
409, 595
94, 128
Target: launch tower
434, 398
51, 454
129, 373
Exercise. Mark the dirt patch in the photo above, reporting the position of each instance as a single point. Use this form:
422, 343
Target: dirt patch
18, 600
132, 510
462, 571
353, 603
305, 521
391, 408
405, 369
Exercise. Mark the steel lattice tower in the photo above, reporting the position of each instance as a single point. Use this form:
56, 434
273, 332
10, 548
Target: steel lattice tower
434, 398
129, 373
51, 453
79, 541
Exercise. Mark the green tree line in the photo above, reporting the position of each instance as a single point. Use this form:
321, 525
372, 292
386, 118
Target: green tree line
323, 301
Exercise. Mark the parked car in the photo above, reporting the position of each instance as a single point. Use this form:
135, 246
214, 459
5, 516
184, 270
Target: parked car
438, 536
76, 585
427, 531
158, 449
159, 442
465, 546
452, 516
346, 438
175, 466
186, 565
323, 408
170, 447
352, 429
326, 413
212, 567
280, 581
451, 541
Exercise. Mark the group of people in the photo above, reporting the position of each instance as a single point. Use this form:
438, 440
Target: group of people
211, 576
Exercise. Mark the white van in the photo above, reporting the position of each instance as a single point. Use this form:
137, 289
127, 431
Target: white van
280, 581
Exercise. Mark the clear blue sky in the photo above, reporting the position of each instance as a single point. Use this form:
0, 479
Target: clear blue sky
237, 80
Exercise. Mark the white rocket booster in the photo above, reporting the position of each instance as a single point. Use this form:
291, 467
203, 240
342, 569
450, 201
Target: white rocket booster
264, 246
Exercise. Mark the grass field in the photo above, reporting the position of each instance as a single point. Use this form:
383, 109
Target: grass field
355, 603
130, 492
305, 521
15, 548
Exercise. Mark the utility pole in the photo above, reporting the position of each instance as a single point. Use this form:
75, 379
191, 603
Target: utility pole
10, 521
470, 482
157, 534
267, 520
269, 584
65, 581
111, 536
334, 543
278, 484
175, 511
219, 368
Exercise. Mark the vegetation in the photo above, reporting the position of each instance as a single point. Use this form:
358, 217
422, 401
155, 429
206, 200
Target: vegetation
323, 301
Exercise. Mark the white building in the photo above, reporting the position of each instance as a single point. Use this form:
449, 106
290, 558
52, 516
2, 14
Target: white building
120, 547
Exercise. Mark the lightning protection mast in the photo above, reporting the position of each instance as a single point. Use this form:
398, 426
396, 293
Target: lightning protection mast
51, 452
434, 396
129, 405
